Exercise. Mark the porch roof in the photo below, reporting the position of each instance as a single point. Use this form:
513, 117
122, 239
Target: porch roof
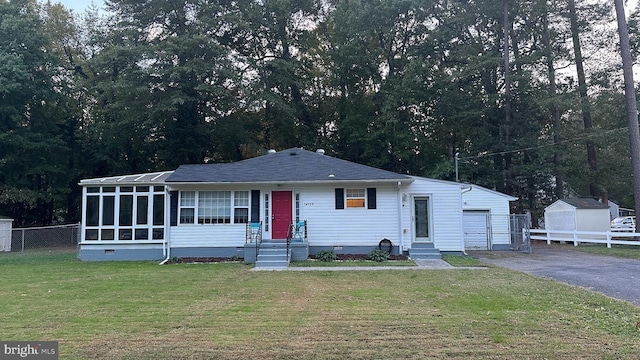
140, 179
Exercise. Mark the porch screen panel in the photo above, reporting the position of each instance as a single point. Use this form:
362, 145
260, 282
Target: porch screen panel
158, 209
126, 210
93, 210
142, 210
108, 210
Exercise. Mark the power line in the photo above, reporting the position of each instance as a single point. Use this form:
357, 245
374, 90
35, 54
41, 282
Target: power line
602, 133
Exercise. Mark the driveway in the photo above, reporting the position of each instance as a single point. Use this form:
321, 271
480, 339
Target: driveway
614, 277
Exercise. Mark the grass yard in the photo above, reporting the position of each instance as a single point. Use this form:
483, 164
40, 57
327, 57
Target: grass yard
142, 310
622, 251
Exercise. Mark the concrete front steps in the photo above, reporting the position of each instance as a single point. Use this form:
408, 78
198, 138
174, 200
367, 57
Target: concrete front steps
424, 251
273, 255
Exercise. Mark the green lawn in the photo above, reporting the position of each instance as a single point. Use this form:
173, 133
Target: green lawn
623, 251
142, 310
351, 263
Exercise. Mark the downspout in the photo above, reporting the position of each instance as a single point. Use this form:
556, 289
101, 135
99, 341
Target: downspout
400, 234
462, 191
166, 245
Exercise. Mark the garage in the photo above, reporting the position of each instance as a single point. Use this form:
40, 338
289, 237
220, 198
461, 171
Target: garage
476, 230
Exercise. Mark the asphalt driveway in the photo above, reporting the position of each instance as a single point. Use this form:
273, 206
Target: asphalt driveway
614, 277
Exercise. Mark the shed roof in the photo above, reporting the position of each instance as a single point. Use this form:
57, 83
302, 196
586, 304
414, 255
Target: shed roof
585, 203
291, 165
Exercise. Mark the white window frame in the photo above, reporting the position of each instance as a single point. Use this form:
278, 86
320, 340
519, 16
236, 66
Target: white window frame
187, 203
113, 232
355, 194
214, 207
241, 201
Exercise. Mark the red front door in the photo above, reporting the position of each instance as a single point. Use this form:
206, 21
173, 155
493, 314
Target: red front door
281, 214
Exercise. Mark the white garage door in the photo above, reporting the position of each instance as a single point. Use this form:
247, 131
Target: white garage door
475, 226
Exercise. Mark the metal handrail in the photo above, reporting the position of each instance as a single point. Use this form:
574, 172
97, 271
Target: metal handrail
258, 237
290, 236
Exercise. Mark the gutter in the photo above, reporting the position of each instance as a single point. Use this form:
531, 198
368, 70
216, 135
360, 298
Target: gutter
166, 245
463, 189
400, 234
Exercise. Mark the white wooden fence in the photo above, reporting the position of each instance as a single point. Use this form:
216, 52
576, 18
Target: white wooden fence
616, 237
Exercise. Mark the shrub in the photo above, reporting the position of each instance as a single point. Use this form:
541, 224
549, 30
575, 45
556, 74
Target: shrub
326, 255
378, 255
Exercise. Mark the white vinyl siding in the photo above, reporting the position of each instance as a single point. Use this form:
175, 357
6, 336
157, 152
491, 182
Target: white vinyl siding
446, 213
208, 236
328, 226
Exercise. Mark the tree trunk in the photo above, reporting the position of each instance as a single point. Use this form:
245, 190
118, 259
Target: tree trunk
507, 96
558, 155
584, 99
630, 99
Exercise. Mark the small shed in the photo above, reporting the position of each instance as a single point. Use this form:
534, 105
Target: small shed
5, 233
577, 214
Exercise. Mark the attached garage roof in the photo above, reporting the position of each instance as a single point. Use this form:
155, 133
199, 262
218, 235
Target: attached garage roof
292, 165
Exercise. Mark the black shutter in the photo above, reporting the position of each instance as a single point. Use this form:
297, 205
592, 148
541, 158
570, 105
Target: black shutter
339, 198
173, 208
371, 198
255, 206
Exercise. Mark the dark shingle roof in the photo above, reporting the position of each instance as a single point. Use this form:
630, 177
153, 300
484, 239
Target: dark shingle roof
582, 203
292, 165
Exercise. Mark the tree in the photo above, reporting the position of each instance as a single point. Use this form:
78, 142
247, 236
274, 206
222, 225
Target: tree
34, 179
161, 80
630, 101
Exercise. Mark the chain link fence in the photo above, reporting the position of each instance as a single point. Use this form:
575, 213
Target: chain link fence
45, 237
520, 234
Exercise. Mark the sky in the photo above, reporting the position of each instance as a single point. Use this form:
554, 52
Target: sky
78, 6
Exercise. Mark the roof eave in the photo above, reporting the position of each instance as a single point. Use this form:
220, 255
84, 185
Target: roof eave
333, 181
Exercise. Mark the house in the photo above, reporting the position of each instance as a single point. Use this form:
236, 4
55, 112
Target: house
577, 214
315, 201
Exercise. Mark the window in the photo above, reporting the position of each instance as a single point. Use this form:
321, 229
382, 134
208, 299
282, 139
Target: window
117, 213
187, 207
266, 212
158, 209
209, 207
241, 207
126, 210
142, 210
355, 198
214, 207
93, 211
107, 210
